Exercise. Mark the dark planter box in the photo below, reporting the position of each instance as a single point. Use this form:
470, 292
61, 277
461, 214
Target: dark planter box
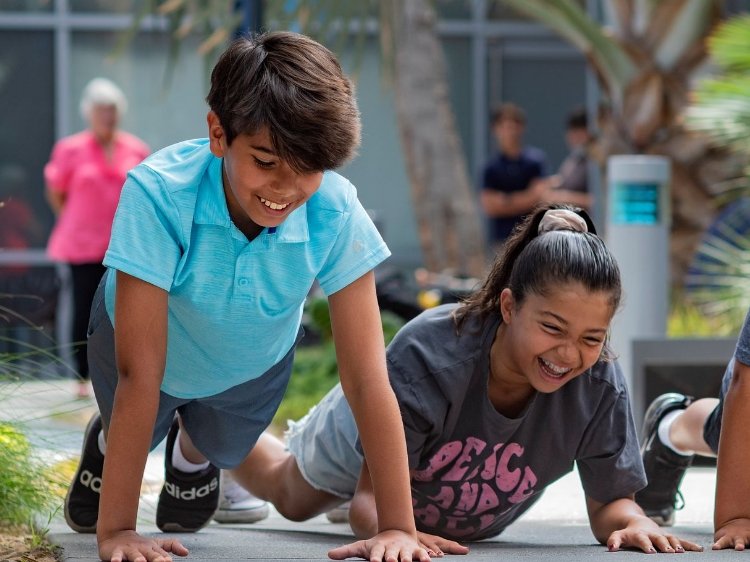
692, 366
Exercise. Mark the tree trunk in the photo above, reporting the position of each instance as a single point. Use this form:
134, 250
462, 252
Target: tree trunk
448, 220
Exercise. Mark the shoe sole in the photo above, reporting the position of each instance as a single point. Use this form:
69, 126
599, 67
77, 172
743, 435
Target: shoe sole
661, 521
337, 517
72, 524
177, 528
241, 516
660, 407
339, 514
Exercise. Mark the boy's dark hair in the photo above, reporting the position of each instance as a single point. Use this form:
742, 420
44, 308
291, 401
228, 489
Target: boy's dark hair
577, 119
294, 87
509, 111
533, 263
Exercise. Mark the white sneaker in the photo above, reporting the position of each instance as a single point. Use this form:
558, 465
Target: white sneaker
339, 514
237, 505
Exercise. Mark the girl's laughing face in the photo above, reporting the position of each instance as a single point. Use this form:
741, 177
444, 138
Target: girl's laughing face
549, 340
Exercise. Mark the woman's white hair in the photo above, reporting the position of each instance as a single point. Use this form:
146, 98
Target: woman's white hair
101, 91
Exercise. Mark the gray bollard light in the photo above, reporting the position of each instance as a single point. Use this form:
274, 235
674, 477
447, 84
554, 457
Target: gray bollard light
637, 232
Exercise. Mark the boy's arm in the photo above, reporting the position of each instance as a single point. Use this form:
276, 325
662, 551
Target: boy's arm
363, 519
732, 508
622, 523
360, 351
140, 342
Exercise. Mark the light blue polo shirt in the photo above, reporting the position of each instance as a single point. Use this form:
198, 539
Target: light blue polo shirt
234, 306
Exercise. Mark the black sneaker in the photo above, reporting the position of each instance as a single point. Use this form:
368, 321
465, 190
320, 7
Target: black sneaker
664, 468
187, 501
82, 500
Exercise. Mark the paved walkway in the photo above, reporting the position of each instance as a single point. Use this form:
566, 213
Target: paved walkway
555, 528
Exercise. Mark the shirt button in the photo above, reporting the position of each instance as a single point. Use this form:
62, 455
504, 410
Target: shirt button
243, 281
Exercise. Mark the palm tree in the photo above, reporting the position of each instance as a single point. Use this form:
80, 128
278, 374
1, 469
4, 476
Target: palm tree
721, 104
646, 60
719, 280
448, 220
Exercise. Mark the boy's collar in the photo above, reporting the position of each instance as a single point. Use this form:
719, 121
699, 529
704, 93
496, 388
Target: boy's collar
294, 228
211, 208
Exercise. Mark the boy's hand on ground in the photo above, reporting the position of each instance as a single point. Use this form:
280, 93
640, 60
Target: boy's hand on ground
649, 540
129, 545
388, 546
733, 534
437, 546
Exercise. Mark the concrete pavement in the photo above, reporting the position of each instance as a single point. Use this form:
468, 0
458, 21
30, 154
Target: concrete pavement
555, 528
276, 539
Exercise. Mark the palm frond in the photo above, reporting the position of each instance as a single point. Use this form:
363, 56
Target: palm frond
721, 109
571, 22
730, 44
683, 25
721, 106
718, 282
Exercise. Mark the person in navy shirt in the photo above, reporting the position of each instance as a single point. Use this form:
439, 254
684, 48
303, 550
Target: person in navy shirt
510, 189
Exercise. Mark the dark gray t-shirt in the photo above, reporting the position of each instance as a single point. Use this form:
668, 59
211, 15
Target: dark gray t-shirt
474, 470
742, 351
712, 426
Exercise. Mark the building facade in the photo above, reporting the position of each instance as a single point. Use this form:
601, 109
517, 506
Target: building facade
49, 49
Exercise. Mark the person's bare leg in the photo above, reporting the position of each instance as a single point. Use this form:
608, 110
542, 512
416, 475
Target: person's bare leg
271, 473
189, 450
686, 432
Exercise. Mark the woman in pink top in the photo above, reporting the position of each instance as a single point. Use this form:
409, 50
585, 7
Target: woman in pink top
84, 177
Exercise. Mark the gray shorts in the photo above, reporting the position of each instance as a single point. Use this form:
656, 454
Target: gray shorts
712, 427
325, 444
223, 427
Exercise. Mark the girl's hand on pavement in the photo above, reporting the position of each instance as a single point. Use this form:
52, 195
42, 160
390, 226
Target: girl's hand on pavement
437, 546
388, 546
649, 541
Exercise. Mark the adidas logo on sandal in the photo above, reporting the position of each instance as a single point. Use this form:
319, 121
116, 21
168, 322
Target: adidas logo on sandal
191, 493
94, 483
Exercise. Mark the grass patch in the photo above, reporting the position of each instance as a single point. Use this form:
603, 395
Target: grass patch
688, 320
314, 373
17, 545
315, 370
25, 484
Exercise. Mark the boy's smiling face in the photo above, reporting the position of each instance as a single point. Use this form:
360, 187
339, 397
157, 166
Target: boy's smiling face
260, 187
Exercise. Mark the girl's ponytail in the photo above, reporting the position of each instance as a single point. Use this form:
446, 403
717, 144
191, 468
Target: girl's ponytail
536, 255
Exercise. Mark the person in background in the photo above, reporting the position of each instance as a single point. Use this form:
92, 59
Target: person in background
28, 294
570, 184
83, 179
19, 227
509, 190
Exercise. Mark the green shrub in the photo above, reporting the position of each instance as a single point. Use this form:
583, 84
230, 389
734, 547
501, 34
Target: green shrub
24, 486
688, 320
315, 370
313, 374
